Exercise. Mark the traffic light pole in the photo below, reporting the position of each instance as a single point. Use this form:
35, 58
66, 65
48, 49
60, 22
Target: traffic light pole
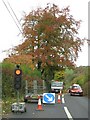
18, 98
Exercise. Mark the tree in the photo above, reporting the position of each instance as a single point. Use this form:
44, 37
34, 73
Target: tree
50, 37
25, 61
59, 75
69, 75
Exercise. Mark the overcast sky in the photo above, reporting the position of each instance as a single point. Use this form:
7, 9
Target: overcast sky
10, 33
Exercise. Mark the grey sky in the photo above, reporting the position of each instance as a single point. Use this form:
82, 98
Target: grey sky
10, 33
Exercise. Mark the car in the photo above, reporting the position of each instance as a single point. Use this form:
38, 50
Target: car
18, 107
32, 97
76, 90
71, 87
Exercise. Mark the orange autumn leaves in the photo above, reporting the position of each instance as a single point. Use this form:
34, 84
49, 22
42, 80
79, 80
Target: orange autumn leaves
50, 37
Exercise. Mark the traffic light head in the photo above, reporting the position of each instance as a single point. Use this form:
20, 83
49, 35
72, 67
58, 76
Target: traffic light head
17, 71
17, 78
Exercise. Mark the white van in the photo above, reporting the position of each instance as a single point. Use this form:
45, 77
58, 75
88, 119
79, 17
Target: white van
56, 86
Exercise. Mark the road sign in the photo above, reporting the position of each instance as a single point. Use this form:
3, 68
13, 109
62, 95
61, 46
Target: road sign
48, 97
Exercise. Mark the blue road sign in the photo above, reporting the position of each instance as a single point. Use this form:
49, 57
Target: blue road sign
48, 97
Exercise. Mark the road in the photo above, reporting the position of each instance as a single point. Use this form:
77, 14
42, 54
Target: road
70, 107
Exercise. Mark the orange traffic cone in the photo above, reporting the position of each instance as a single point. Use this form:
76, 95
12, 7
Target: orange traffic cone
59, 100
39, 107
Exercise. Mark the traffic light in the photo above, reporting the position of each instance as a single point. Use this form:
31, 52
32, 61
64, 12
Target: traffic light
17, 77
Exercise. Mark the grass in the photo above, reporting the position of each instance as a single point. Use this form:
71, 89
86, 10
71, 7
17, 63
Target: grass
6, 105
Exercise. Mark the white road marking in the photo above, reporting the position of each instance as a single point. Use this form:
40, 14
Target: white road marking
62, 95
68, 113
63, 101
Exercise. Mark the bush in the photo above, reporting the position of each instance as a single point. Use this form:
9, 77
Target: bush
79, 80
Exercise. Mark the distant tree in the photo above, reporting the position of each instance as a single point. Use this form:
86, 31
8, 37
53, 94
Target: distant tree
20, 59
69, 75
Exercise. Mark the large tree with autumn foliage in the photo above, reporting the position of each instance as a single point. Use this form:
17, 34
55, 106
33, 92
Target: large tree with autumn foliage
50, 37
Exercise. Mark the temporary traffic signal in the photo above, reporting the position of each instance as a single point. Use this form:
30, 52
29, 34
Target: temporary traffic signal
17, 77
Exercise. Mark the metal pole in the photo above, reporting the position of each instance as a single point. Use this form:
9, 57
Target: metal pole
26, 89
18, 99
44, 87
35, 86
17, 96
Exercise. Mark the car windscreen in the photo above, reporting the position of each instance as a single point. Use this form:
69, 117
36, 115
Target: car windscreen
57, 84
29, 94
76, 87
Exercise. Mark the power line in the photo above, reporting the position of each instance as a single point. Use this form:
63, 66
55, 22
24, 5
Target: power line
12, 16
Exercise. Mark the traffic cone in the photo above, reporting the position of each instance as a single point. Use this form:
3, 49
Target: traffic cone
59, 100
39, 107
60, 92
